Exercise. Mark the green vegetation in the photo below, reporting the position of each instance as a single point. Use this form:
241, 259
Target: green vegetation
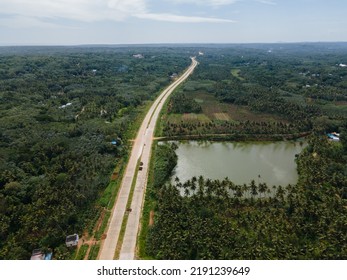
82, 252
165, 162
293, 90
60, 111
236, 74
181, 104
103, 225
216, 219
286, 91
162, 164
94, 251
67, 115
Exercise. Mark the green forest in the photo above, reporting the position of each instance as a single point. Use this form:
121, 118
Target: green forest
66, 115
261, 90
255, 92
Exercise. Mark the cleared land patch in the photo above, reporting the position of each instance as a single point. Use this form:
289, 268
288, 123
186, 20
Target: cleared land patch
236, 74
178, 118
213, 109
222, 116
341, 103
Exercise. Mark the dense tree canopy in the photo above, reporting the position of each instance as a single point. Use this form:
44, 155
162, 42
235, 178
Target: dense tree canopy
60, 111
301, 86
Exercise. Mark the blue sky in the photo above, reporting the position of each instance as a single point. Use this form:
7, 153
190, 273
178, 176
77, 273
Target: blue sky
73, 22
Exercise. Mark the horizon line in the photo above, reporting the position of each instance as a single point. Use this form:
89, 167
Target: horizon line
153, 44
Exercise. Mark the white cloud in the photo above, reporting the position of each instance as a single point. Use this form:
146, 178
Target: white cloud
81, 10
213, 3
182, 19
33, 11
267, 2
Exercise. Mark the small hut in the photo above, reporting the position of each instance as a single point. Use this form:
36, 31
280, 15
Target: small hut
71, 240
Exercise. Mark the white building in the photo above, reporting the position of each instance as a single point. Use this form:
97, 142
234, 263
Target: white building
71, 240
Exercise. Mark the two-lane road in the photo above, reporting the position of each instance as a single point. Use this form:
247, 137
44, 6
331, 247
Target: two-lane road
141, 150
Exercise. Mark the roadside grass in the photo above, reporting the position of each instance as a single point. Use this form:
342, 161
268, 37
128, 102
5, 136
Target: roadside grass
142, 111
133, 129
158, 132
109, 195
94, 251
111, 192
82, 252
149, 205
98, 234
106, 201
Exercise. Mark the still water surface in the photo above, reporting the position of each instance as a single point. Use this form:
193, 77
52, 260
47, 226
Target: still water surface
240, 162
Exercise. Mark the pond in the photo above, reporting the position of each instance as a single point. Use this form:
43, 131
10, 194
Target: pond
270, 162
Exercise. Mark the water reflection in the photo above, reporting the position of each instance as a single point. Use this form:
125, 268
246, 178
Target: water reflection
272, 163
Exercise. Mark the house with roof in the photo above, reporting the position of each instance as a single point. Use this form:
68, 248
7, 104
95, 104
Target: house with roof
72, 240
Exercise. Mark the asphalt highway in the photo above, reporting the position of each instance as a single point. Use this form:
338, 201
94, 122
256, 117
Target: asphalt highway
141, 150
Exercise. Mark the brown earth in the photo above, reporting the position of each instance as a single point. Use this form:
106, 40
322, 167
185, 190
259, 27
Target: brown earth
151, 218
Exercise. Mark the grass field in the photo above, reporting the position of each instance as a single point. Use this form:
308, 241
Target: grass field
214, 110
236, 74
222, 116
335, 108
178, 118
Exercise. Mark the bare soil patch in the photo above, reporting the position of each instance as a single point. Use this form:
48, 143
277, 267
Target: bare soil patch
188, 117
341, 103
151, 218
103, 237
114, 176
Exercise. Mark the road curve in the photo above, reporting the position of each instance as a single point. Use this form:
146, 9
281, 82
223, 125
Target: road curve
141, 150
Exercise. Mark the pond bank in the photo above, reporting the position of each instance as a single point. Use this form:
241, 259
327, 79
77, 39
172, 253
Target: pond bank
235, 137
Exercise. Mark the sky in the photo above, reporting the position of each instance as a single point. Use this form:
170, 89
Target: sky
76, 22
